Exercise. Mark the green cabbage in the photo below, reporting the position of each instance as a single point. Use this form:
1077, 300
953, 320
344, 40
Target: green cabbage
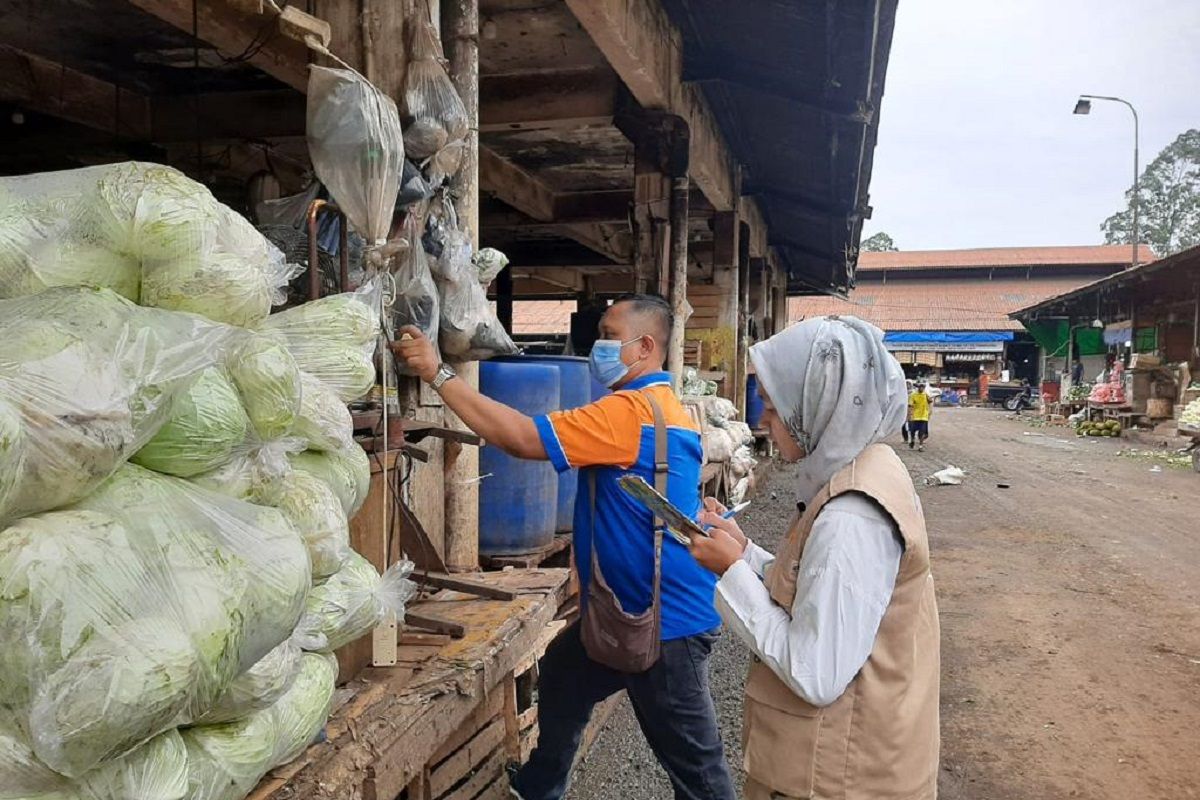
351, 603
207, 423
11, 449
333, 339
346, 471
22, 776
269, 384
254, 472
303, 710
258, 687
156, 770
324, 422
310, 505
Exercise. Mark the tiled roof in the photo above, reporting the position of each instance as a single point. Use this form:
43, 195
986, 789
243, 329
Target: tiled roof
542, 316
955, 304
1093, 255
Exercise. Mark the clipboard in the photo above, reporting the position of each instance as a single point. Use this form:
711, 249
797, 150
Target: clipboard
679, 525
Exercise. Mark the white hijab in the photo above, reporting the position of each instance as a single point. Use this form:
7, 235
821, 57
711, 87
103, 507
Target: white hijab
836, 388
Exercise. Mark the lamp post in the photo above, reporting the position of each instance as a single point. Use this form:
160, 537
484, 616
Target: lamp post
1084, 106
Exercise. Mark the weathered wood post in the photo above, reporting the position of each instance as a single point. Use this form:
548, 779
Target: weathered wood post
460, 37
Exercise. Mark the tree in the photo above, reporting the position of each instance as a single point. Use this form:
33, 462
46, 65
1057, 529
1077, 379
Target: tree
879, 243
1169, 191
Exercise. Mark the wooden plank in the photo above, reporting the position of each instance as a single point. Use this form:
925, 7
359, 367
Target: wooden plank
521, 190
512, 722
486, 775
47, 87
489, 710
234, 33
476, 587
482, 746
536, 101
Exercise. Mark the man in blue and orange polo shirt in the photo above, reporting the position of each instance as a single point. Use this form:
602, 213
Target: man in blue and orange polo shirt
614, 436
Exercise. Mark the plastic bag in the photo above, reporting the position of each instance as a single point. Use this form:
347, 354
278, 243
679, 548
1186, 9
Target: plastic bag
324, 422
333, 339
258, 687
86, 380
346, 471
436, 122
489, 262
206, 426
156, 770
143, 230
356, 146
416, 302
226, 761
22, 776
255, 471
352, 602
469, 329
317, 513
136, 610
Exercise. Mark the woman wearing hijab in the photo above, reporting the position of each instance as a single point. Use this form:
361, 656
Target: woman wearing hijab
842, 696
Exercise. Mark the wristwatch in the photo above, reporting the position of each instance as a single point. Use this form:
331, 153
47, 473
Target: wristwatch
444, 373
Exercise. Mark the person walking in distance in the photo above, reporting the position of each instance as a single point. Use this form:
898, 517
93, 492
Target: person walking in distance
919, 409
648, 622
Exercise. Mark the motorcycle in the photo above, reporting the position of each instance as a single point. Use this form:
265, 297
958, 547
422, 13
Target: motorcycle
1021, 400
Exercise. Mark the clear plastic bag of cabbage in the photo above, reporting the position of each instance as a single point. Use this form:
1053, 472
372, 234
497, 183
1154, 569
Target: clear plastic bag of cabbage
324, 422
258, 687
268, 381
206, 426
333, 339
315, 511
468, 330
226, 761
87, 378
136, 610
346, 471
22, 776
256, 470
351, 602
156, 770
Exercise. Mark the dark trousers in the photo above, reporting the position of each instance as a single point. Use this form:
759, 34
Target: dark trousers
672, 703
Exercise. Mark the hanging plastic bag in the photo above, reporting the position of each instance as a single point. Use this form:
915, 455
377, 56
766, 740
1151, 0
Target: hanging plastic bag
436, 122
489, 262
352, 602
469, 329
416, 300
356, 146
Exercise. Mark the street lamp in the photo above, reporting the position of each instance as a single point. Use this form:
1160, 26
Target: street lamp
1084, 106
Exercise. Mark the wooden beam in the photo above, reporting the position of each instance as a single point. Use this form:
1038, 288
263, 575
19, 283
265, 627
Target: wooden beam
565, 100
608, 207
235, 33
228, 115
44, 86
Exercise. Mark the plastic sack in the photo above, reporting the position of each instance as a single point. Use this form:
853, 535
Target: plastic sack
206, 425
356, 146
147, 232
950, 476
22, 776
352, 602
416, 300
489, 262
137, 609
317, 513
333, 339
225, 762
469, 329
268, 381
717, 445
435, 118
156, 770
346, 471
255, 471
258, 687
86, 380
324, 422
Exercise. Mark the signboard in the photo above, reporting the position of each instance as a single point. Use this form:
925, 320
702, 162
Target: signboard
947, 347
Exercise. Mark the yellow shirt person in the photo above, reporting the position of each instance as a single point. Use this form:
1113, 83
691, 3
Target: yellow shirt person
918, 417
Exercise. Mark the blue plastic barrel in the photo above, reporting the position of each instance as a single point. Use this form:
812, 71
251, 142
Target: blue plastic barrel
754, 403
518, 504
575, 389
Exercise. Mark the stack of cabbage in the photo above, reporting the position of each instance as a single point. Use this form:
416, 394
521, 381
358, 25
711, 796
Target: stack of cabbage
171, 485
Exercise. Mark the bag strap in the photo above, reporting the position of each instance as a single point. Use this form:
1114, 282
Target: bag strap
661, 483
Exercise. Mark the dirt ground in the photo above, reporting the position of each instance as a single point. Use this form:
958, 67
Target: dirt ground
1070, 608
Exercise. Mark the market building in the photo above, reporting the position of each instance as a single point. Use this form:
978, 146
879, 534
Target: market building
721, 156
945, 313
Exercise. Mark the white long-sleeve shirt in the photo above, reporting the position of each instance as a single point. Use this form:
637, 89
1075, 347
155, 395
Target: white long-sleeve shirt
847, 573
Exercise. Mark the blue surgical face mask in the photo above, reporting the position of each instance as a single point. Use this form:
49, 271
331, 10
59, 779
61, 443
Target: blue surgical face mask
605, 361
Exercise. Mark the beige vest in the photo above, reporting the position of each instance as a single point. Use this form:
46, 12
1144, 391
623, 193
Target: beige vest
879, 740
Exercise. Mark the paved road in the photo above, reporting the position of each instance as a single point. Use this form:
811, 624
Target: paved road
1070, 606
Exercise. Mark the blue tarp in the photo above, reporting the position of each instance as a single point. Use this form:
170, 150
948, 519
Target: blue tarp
946, 337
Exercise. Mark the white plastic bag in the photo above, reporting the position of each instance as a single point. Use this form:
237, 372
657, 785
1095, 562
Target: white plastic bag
324, 422
258, 687
351, 602
435, 118
346, 471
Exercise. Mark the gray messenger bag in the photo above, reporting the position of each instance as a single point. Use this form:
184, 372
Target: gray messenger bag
612, 636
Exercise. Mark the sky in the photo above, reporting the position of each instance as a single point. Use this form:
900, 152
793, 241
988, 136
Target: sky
977, 143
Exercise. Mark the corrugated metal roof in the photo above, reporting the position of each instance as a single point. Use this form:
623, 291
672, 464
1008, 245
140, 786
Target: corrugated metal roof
959, 304
1084, 255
